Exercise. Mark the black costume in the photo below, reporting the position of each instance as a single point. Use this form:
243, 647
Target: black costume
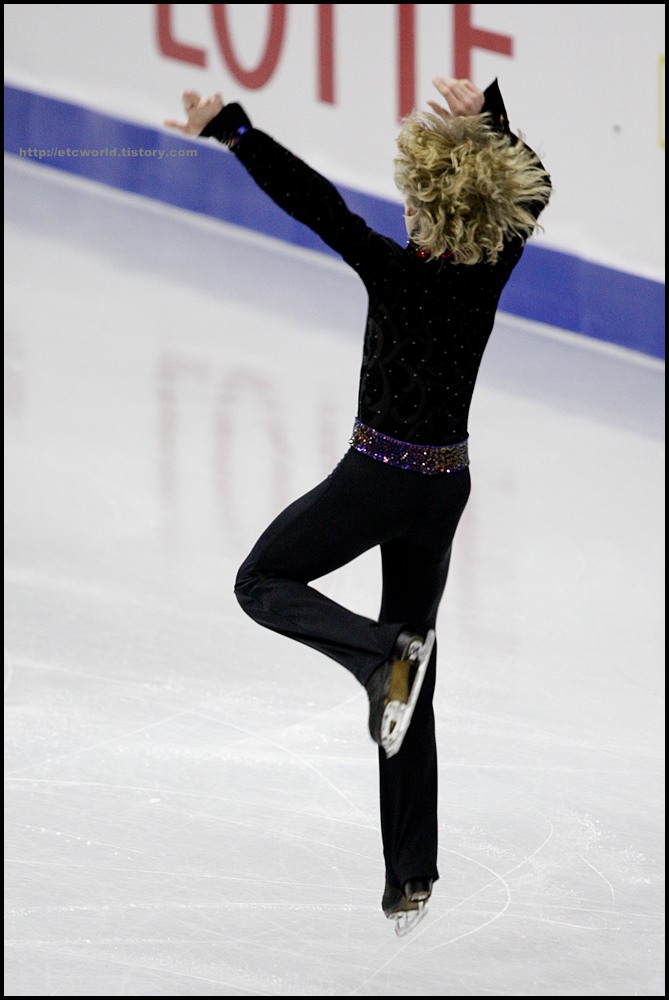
404, 482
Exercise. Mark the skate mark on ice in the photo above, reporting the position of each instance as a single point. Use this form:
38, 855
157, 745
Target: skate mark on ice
420, 932
154, 970
165, 793
223, 905
604, 879
195, 714
77, 838
96, 746
502, 879
431, 926
291, 753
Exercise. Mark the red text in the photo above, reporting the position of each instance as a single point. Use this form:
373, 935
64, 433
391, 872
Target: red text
466, 38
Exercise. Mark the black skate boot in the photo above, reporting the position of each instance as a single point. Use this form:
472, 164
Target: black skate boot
407, 906
394, 687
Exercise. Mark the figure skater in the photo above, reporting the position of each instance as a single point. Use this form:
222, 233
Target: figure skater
473, 192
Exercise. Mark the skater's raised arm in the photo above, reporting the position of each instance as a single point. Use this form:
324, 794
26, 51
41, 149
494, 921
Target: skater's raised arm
292, 184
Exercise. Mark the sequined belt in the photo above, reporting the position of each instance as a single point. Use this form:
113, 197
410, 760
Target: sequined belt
426, 458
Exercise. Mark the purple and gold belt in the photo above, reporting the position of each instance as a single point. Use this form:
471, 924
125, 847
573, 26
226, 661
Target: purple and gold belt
429, 459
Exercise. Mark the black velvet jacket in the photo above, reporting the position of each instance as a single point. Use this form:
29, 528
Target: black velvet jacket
428, 321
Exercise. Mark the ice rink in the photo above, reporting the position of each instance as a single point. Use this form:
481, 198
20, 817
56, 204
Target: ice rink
191, 801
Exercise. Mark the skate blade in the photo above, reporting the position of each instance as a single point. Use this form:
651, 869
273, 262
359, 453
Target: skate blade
406, 920
397, 715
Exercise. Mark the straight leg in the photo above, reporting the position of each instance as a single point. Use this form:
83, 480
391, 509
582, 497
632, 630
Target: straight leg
408, 781
415, 571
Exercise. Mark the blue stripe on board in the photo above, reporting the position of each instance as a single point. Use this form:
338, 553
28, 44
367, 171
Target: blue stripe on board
555, 288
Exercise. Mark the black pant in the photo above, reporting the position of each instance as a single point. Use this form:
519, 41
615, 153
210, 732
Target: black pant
413, 518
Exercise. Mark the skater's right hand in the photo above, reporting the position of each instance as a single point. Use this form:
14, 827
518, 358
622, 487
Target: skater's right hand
199, 112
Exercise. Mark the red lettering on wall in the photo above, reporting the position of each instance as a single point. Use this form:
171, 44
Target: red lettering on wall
258, 77
467, 37
406, 58
271, 449
168, 45
175, 374
326, 52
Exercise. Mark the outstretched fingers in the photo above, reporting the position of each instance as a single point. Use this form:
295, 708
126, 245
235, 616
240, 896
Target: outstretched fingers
199, 112
462, 96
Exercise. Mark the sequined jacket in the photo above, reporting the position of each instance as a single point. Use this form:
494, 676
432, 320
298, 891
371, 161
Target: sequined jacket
428, 321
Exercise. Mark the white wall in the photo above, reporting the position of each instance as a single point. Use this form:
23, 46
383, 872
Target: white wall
583, 82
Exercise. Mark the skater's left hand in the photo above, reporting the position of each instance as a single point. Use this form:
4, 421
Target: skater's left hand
462, 96
199, 112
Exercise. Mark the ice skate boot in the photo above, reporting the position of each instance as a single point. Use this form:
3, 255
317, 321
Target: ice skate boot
394, 687
407, 906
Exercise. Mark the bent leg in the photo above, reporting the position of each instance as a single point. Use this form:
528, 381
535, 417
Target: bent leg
331, 525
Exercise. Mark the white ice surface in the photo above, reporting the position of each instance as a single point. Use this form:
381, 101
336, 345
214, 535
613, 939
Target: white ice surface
191, 802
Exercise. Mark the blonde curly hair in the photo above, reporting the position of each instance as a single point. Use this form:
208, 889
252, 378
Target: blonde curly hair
466, 186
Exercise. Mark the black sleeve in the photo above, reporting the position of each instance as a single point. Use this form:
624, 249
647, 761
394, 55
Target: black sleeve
228, 126
494, 106
294, 186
